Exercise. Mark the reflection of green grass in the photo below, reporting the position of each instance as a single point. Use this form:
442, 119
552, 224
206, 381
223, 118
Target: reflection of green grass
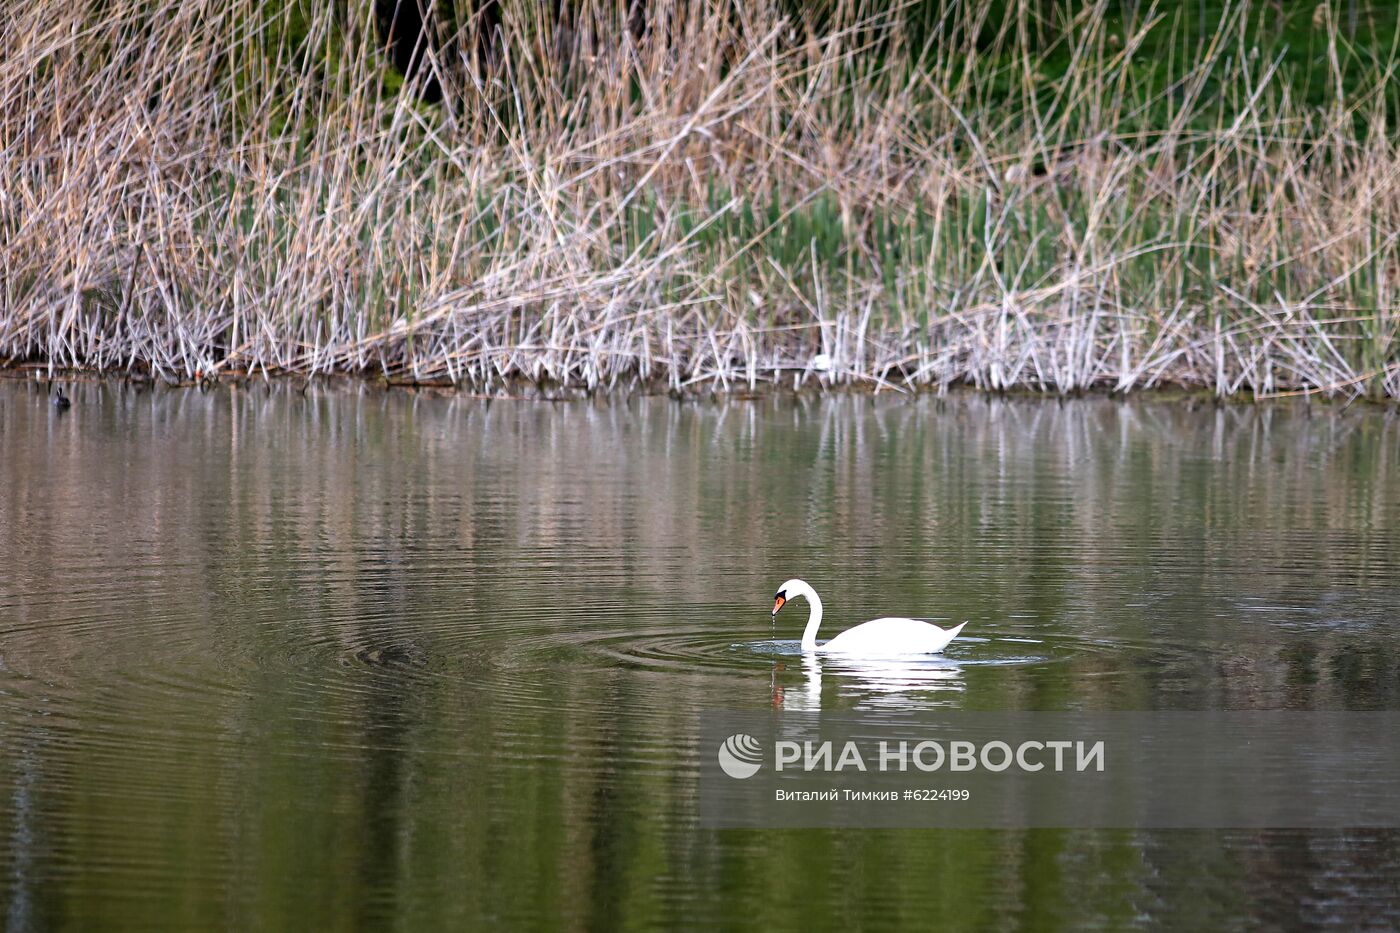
546, 759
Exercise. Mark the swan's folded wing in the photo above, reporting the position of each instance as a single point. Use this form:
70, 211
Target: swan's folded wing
892, 635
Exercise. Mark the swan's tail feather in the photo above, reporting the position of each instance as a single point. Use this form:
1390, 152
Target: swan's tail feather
950, 634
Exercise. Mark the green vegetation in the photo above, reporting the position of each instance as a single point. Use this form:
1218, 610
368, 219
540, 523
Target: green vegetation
1022, 195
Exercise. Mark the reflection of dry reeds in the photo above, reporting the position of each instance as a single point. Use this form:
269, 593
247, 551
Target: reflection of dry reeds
208, 188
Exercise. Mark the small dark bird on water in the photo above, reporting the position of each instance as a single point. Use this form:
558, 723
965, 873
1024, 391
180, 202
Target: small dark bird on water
61, 402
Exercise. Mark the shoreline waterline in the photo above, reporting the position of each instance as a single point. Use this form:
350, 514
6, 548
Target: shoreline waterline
813, 386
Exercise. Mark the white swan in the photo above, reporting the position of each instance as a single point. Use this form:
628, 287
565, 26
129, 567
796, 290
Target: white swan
883, 638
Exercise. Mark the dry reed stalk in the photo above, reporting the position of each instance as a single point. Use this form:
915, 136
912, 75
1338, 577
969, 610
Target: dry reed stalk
204, 188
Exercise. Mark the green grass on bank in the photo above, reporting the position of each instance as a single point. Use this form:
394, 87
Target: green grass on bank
1036, 195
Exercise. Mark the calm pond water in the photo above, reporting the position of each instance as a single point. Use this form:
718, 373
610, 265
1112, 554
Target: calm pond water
356, 658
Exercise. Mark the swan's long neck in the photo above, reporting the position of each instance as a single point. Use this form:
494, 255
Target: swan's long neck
814, 621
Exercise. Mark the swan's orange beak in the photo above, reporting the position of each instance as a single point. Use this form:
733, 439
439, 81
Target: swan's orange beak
778, 604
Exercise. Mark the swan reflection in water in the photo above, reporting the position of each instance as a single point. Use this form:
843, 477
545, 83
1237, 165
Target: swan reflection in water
877, 683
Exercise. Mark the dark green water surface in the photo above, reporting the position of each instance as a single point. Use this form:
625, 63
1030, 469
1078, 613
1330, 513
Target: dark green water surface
350, 659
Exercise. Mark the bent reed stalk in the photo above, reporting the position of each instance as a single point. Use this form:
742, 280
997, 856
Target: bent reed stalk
191, 190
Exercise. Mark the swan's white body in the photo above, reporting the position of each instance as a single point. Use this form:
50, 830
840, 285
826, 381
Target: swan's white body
884, 638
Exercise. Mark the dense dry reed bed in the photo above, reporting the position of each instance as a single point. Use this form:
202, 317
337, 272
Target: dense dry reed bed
190, 190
